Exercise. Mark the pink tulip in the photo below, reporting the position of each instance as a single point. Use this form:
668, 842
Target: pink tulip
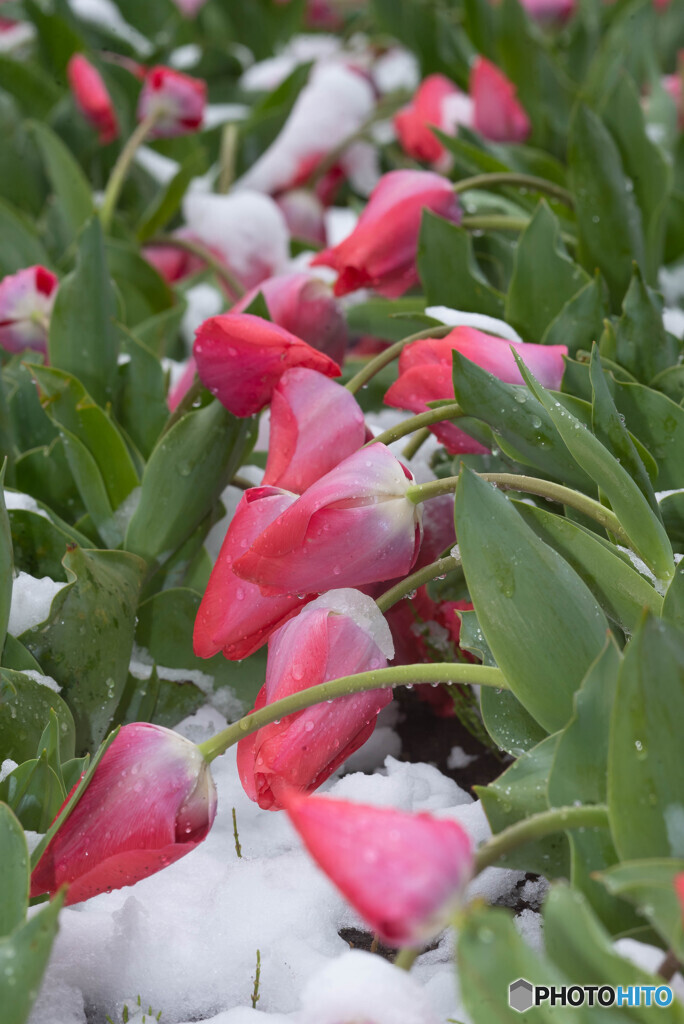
341, 633
497, 114
26, 301
551, 10
380, 253
315, 423
177, 100
354, 526
403, 873
234, 616
304, 214
438, 103
92, 97
425, 374
189, 8
679, 889
240, 359
151, 801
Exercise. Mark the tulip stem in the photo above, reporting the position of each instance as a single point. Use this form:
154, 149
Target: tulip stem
429, 572
527, 181
545, 823
385, 357
502, 222
206, 255
530, 485
378, 679
406, 958
122, 167
424, 419
416, 442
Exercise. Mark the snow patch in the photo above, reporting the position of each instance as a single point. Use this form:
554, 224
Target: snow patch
31, 601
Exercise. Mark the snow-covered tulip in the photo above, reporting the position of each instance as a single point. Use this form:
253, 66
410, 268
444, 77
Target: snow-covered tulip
151, 800
176, 101
315, 423
355, 525
425, 374
380, 253
438, 103
92, 97
497, 113
340, 633
404, 873
240, 359
234, 616
26, 301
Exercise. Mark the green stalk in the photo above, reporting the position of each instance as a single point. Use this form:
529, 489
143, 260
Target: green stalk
423, 419
502, 222
378, 679
384, 358
122, 167
429, 572
528, 181
545, 823
416, 442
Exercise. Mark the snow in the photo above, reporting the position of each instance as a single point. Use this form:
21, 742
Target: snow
161, 168
203, 301
7, 766
106, 14
363, 610
222, 700
340, 221
31, 601
459, 759
16, 501
268, 74
482, 322
396, 69
44, 680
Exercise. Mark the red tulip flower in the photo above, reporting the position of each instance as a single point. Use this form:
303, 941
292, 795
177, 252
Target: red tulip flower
92, 98
234, 616
177, 100
438, 103
339, 634
26, 301
679, 889
151, 800
550, 10
354, 526
425, 374
404, 873
380, 253
240, 359
497, 113
315, 423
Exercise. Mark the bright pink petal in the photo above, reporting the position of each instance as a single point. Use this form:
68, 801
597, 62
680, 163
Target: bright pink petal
178, 100
498, 114
92, 97
414, 122
26, 301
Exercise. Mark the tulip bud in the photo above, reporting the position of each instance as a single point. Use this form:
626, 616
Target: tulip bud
340, 633
240, 359
438, 103
380, 252
550, 10
354, 526
92, 97
497, 114
26, 301
150, 801
176, 99
404, 873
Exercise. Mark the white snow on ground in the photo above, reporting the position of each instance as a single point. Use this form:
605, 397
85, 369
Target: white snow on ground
31, 600
185, 939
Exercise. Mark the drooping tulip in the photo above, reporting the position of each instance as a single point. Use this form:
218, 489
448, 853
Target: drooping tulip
26, 301
438, 103
353, 526
340, 633
381, 251
151, 800
92, 97
425, 374
176, 100
497, 113
404, 873
241, 357
234, 616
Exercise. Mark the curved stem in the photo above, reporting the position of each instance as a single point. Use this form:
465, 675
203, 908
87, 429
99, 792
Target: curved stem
384, 358
545, 823
423, 419
379, 679
406, 958
122, 166
531, 485
416, 442
207, 256
429, 572
502, 222
528, 181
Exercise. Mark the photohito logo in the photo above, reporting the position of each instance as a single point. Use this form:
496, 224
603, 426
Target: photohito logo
523, 995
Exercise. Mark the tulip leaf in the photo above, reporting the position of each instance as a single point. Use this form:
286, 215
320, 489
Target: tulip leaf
86, 641
6, 561
649, 885
40, 543
508, 723
34, 793
66, 177
645, 769
580, 321
642, 317
658, 422
23, 958
21, 246
14, 858
449, 271
143, 291
166, 202
25, 705
673, 605
542, 623
83, 337
380, 318
544, 277
187, 470
16, 657
142, 408
159, 333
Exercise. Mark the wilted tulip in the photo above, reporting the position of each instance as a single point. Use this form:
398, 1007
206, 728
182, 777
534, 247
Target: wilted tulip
340, 633
92, 97
354, 526
404, 873
151, 800
176, 100
26, 301
497, 113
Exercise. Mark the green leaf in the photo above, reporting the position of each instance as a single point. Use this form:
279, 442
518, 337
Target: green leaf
542, 623
649, 885
431, 31
646, 771
160, 332
50, 743
508, 723
39, 543
608, 219
15, 865
86, 641
34, 90
142, 408
34, 793
16, 657
189, 467
6, 561
658, 422
83, 338
673, 605
68, 181
544, 277
25, 705
580, 321
642, 318
143, 291
23, 959
21, 246
449, 272
379, 318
